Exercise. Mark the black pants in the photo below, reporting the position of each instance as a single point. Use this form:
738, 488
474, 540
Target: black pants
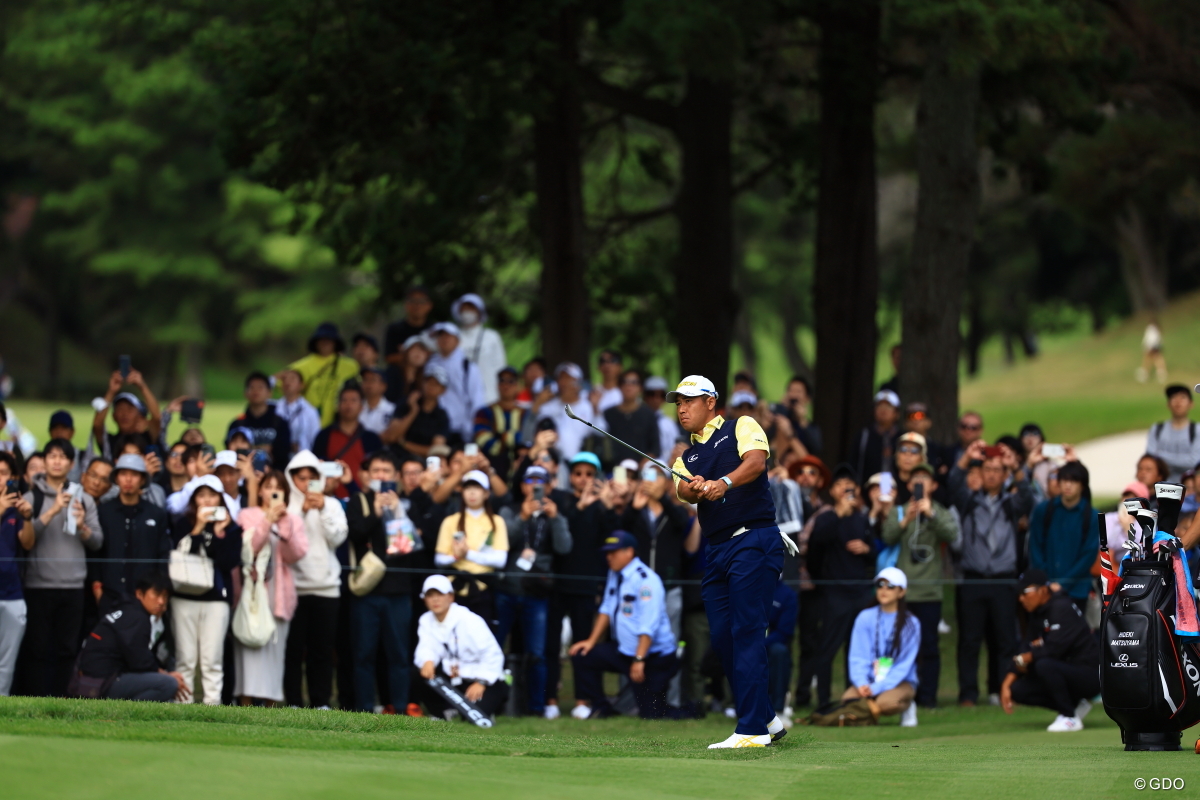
581, 610
51, 640
987, 612
1056, 685
651, 693
838, 605
929, 658
309, 654
809, 624
437, 706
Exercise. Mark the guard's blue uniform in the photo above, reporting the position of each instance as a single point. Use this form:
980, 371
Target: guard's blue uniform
635, 604
744, 557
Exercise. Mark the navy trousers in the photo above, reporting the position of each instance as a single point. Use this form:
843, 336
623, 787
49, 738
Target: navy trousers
651, 694
739, 582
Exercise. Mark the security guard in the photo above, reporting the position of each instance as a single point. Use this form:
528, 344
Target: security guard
642, 645
744, 553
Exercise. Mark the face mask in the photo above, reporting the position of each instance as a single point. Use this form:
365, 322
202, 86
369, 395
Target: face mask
469, 317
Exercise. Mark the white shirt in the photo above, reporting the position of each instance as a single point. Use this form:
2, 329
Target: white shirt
608, 399
571, 433
668, 433
461, 640
303, 419
484, 347
464, 396
377, 419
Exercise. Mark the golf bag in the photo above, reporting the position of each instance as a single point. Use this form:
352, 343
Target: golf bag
1149, 674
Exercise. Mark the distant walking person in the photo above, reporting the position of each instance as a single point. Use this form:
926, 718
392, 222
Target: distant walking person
1152, 355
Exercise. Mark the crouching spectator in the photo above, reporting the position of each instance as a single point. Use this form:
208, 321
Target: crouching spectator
883, 651
457, 645
642, 646
1055, 666
117, 660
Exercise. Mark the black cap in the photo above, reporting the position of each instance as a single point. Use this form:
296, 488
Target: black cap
416, 288
508, 370
1177, 388
1032, 427
844, 470
365, 337
1034, 577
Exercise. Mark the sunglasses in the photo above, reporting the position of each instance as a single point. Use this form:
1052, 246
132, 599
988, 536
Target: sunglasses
909, 448
811, 471
882, 584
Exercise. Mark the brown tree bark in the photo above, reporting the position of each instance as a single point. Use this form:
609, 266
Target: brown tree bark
565, 308
846, 283
947, 212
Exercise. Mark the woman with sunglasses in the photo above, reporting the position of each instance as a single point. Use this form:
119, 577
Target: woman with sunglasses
883, 651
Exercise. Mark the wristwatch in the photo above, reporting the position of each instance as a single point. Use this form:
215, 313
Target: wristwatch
640, 659
728, 482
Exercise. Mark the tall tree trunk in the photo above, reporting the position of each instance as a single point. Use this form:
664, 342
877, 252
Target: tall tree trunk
947, 211
1141, 265
566, 321
846, 284
707, 305
193, 369
790, 314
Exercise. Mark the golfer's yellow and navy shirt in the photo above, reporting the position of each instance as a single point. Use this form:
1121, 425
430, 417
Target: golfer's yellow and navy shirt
716, 452
749, 434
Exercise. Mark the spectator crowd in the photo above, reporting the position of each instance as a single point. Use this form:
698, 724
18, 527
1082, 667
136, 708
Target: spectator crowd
381, 524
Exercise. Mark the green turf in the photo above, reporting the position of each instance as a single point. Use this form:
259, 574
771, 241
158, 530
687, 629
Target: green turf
100, 749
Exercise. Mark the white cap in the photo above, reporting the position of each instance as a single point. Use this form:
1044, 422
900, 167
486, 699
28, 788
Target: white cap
225, 458
693, 386
445, 327
571, 368
473, 299
438, 373
893, 576
418, 338
742, 398
478, 476
655, 383
629, 464
437, 583
888, 396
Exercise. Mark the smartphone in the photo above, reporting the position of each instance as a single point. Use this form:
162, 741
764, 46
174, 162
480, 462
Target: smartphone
276, 496
459, 536
433, 463
387, 486
124, 365
1053, 450
154, 448
919, 492
620, 475
539, 492
191, 410
207, 449
887, 487
330, 469
540, 383
12, 487
317, 487
259, 460
218, 514
470, 450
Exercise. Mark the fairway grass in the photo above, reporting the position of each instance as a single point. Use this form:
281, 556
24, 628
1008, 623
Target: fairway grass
110, 749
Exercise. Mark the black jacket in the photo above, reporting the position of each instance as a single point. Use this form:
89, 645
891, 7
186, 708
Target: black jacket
368, 529
120, 643
225, 552
1058, 630
269, 430
828, 558
141, 534
875, 450
660, 545
589, 527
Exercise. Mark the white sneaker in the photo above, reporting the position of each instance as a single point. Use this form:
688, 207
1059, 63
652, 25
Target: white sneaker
909, 718
944, 627
777, 729
552, 712
1083, 709
324, 708
741, 740
993, 699
581, 712
1063, 724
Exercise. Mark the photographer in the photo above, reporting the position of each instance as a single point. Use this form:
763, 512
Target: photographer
120, 651
382, 616
424, 421
536, 533
795, 407
922, 526
199, 622
267, 430
13, 511
474, 540
128, 411
55, 572
841, 558
1055, 666
137, 536
456, 644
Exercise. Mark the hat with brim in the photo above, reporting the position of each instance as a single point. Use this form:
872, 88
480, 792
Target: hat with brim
326, 330
1033, 577
132, 399
925, 467
797, 466
844, 470
478, 476
693, 386
618, 540
132, 462
437, 583
655, 384
591, 459
894, 576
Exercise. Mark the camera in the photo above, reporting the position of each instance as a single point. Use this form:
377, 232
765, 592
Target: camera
219, 514
191, 410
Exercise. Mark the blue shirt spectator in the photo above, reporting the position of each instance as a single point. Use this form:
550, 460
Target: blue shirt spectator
872, 639
635, 602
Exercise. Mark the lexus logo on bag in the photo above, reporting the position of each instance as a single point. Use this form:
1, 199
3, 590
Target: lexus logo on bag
1124, 657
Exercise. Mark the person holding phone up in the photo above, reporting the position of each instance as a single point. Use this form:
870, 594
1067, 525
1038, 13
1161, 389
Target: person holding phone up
13, 513
922, 526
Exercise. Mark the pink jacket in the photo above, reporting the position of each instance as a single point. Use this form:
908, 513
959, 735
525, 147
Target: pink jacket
292, 544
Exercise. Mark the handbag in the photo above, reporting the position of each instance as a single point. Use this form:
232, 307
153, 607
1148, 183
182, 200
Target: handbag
253, 623
189, 573
365, 575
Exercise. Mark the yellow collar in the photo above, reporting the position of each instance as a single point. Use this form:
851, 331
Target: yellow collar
714, 424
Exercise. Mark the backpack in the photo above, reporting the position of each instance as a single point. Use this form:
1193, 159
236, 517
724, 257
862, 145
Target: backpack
1149, 676
1158, 429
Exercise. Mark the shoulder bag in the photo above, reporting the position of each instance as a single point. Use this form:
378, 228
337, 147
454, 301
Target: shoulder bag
253, 622
365, 575
189, 573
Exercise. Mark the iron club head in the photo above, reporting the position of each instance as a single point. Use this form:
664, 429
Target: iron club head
570, 413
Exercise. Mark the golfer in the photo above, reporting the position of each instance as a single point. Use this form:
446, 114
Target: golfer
727, 467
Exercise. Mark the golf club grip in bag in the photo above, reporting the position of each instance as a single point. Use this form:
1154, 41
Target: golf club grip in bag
1149, 677
465, 707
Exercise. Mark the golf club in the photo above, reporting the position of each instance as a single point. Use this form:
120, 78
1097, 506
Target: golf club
655, 461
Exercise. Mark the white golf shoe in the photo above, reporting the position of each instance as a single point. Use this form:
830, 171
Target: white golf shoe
1063, 724
581, 712
551, 712
777, 729
741, 740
